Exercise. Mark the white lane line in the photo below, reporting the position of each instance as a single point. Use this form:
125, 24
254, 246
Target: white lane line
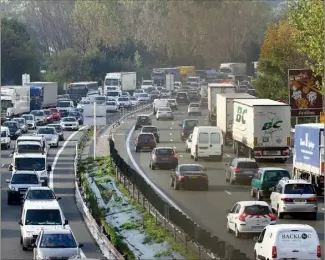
181, 155
171, 128
137, 168
323, 209
171, 140
229, 193
172, 123
170, 134
227, 155
11, 155
2, 165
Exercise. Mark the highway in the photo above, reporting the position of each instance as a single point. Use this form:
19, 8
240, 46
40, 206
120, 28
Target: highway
207, 208
61, 159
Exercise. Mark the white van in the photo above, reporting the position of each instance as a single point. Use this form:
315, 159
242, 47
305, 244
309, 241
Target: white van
288, 241
207, 142
158, 103
5, 137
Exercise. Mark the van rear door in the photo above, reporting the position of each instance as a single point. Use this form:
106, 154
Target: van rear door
215, 147
296, 244
203, 144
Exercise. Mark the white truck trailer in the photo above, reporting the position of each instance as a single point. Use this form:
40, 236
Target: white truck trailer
170, 86
122, 81
213, 90
225, 113
15, 101
308, 159
261, 129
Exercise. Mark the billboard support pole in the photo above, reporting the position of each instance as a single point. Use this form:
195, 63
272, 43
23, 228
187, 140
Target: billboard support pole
95, 131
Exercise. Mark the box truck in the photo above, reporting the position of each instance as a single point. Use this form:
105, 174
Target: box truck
15, 101
42, 94
225, 113
308, 159
261, 129
121, 81
213, 90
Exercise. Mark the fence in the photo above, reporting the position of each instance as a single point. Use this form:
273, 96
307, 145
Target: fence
195, 233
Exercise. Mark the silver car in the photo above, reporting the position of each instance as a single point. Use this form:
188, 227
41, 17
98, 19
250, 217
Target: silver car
69, 123
22, 124
56, 244
30, 121
49, 132
194, 109
40, 117
164, 113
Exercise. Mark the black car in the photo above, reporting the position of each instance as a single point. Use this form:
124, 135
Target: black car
182, 98
241, 170
145, 142
154, 94
193, 96
173, 104
151, 129
189, 176
59, 130
163, 157
14, 129
77, 115
142, 120
187, 127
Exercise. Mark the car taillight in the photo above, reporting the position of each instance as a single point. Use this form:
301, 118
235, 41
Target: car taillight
183, 132
285, 153
242, 217
180, 177
175, 156
154, 156
274, 253
272, 217
287, 199
261, 187
236, 170
312, 199
319, 251
321, 178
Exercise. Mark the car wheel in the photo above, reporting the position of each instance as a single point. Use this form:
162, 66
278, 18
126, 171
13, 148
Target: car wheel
153, 167
157, 118
280, 214
253, 193
24, 247
171, 182
57, 145
196, 158
259, 196
192, 157
158, 141
227, 227
176, 186
136, 149
237, 233
226, 178
231, 181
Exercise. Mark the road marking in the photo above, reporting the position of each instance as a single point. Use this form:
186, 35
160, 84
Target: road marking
171, 128
170, 134
229, 193
171, 140
2, 165
323, 209
227, 155
172, 123
181, 155
138, 169
11, 155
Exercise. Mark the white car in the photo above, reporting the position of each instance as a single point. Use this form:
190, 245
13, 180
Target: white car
69, 123
188, 143
39, 116
50, 134
249, 217
144, 98
30, 121
294, 196
83, 102
147, 84
138, 92
177, 84
124, 102
134, 101
5, 137
164, 93
112, 106
164, 113
194, 109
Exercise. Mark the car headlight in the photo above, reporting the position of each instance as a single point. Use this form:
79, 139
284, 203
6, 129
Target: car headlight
12, 188
28, 234
17, 132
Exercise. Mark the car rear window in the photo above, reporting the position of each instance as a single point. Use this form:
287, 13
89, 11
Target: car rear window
299, 188
204, 138
145, 137
194, 105
257, 210
142, 118
275, 175
190, 124
182, 95
247, 165
149, 129
165, 151
190, 168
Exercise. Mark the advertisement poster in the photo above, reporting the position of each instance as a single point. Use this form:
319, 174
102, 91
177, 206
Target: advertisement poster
304, 93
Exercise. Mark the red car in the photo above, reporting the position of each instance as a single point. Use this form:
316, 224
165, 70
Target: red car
55, 114
48, 115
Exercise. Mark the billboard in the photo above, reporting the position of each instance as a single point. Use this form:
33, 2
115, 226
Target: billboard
304, 93
307, 140
88, 114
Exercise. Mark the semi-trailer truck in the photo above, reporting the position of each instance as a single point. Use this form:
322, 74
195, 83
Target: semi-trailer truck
42, 94
308, 158
121, 81
261, 129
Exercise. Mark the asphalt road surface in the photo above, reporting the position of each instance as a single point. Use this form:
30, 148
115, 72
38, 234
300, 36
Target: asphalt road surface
207, 208
63, 184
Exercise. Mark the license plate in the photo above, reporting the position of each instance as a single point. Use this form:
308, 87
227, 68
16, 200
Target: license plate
146, 147
247, 172
193, 177
272, 152
257, 227
181, 98
165, 159
203, 148
300, 201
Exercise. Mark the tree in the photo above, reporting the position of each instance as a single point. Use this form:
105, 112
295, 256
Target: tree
307, 17
278, 54
19, 55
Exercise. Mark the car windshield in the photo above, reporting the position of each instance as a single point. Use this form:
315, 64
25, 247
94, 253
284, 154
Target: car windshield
58, 128
164, 151
84, 102
24, 179
74, 114
147, 83
54, 110
299, 188
58, 241
28, 147
257, 210
190, 124
69, 119
20, 121
28, 117
164, 109
190, 168
143, 118
171, 100
43, 217
3, 133
181, 95
30, 164
133, 98
138, 91
63, 104
194, 105
47, 112
40, 195
149, 129
11, 124
144, 95
113, 94
111, 103
247, 165
123, 99
275, 175
46, 131
146, 137
38, 113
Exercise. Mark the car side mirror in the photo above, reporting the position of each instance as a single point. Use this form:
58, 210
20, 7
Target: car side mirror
49, 168
229, 211
80, 245
66, 222
255, 239
58, 198
10, 168
7, 181
20, 222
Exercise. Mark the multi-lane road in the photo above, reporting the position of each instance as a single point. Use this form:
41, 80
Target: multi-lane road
207, 208
61, 159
